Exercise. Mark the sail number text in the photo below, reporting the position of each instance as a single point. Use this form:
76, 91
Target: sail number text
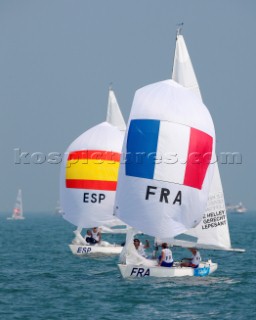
140, 272
84, 250
93, 197
164, 195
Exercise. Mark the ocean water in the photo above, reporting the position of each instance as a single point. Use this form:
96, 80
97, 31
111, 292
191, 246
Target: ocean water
41, 279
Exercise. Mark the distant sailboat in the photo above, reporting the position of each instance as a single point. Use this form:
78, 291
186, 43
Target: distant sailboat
89, 178
238, 208
58, 209
18, 208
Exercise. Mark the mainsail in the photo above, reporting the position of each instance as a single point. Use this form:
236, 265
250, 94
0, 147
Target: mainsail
213, 231
114, 115
183, 71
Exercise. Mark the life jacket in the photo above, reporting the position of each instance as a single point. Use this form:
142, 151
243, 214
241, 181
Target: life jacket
168, 255
196, 259
95, 235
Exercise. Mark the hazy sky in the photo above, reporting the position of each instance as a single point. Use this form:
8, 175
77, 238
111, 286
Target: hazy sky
58, 57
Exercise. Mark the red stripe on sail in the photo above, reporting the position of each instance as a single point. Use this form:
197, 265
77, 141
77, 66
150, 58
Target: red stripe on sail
91, 184
95, 155
199, 156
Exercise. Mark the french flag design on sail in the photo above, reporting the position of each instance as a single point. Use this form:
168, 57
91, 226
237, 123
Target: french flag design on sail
149, 140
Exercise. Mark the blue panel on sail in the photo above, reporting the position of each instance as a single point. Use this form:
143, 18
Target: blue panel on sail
141, 148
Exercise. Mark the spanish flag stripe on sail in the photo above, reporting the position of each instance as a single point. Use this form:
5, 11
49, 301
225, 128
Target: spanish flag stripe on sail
92, 169
91, 184
94, 155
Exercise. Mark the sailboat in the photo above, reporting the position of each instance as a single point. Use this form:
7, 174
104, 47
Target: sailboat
238, 208
17, 213
171, 204
88, 181
58, 209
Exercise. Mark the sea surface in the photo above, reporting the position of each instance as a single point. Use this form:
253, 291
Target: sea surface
41, 279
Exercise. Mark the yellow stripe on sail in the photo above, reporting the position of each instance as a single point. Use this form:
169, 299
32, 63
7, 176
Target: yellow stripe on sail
91, 170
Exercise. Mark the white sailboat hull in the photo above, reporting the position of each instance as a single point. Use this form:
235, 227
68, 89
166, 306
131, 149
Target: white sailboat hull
16, 218
138, 271
83, 250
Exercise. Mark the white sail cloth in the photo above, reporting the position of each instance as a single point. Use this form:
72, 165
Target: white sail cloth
89, 175
183, 71
213, 231
161, 191
114, 115
130, 255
